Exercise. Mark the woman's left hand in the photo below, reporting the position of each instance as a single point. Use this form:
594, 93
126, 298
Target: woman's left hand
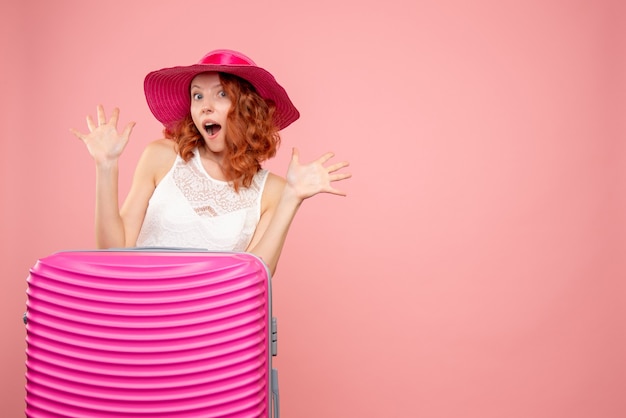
307, 180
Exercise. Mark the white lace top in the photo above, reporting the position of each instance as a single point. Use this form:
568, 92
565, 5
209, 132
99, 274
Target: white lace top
190, 209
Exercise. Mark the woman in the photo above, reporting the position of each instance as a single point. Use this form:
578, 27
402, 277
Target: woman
203, 186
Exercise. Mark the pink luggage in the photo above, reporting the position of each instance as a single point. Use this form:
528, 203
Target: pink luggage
150, 333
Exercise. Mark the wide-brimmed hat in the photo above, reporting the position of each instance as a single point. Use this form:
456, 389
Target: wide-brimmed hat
167, 90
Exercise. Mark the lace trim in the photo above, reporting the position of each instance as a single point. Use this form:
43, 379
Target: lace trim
210, 197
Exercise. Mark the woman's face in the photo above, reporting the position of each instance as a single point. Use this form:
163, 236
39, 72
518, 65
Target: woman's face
209, 109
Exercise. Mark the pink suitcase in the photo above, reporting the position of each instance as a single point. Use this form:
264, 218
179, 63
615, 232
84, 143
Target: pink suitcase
150, 333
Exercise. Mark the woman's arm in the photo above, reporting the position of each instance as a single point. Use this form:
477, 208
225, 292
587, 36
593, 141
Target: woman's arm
105, 144
115, 228
284, 199
155, 162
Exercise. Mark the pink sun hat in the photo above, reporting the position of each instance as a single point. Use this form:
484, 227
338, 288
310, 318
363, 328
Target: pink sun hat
167, 90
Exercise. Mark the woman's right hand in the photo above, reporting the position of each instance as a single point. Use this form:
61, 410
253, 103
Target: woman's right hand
104, 142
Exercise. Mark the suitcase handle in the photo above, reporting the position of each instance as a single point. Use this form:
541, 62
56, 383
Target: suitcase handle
139, 249
275, 395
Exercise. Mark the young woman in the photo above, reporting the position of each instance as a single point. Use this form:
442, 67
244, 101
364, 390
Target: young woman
203, 185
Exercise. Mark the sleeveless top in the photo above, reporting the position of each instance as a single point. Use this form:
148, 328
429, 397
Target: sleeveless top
190, 209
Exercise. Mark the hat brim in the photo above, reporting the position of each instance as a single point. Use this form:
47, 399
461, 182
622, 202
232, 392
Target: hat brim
167, 91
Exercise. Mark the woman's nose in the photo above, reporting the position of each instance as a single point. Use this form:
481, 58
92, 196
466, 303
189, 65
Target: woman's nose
207, 107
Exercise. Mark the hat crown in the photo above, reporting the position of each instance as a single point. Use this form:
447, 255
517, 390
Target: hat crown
226, 57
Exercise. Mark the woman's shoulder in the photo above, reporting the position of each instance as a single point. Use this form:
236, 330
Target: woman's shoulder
157, 158
274, 185
274, 181
163, 146
160, 152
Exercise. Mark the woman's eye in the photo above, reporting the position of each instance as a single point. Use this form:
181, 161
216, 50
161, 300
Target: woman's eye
197, 96
222, 93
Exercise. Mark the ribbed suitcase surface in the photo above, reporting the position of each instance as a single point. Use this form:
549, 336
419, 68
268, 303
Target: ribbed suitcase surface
148, 334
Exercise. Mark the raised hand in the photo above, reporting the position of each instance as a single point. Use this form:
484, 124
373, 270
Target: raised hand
104, 142
310, 179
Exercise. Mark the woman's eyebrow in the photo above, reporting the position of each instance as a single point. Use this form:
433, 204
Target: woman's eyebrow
216, 86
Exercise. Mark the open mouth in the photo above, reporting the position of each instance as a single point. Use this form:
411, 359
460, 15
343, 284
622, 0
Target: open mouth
212, 128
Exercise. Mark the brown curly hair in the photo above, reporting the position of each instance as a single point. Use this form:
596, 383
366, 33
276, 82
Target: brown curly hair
251, 134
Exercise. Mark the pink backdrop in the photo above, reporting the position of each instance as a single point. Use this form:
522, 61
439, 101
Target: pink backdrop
476, 268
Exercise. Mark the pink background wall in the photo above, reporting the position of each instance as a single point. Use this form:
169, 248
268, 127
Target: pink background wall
476, 268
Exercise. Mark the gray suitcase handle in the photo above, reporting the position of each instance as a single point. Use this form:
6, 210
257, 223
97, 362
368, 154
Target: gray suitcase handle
275, 395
